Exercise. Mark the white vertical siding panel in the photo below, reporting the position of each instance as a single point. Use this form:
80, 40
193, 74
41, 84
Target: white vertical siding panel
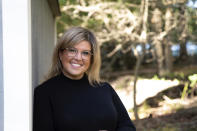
1, 71
16, 65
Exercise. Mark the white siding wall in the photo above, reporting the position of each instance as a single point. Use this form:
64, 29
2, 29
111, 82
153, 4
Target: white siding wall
1, 71
17, 89
43, 39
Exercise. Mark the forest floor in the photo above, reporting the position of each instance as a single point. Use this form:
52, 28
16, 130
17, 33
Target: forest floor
160, 106
171, 115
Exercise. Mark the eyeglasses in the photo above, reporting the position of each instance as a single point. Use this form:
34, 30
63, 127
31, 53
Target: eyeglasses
72, 52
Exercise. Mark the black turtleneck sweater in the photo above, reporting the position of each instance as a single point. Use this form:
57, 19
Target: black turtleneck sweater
63, 104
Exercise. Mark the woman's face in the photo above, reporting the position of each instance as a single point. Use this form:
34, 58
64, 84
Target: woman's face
76, 60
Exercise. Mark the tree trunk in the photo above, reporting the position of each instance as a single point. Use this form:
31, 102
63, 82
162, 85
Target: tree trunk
182, 29
157, 24
160, 58
168, 42
168, 58
143, 39
183, 50
139, 59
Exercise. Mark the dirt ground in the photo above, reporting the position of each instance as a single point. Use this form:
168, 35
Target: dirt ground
182, 119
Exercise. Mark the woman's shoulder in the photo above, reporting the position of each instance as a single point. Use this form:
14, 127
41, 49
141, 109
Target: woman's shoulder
105, 85
46, 85
108, 86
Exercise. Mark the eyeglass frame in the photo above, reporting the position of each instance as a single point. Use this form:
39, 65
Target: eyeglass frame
76, 52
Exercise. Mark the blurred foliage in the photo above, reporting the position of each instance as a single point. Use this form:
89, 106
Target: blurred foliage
193, 80
64, 2
111, 22
185, 89
156, 77
94, 24
190, 86
192, 22
120, 61
177, 75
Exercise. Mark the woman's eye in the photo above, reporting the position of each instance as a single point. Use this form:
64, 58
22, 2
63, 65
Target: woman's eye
72, 50
86, 53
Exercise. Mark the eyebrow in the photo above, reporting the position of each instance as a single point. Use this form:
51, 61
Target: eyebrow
82, 50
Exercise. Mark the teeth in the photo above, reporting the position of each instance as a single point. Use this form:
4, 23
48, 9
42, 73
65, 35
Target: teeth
76, 65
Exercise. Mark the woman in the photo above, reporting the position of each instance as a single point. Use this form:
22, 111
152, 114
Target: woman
73, 98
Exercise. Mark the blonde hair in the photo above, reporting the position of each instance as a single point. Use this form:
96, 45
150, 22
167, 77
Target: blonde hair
71, 37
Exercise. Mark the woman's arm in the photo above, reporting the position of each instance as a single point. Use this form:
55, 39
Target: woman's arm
124, 121
42, 111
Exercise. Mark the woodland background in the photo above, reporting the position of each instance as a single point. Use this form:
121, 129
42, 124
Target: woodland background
149, 55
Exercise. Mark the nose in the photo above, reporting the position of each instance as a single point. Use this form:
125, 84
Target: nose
78, 56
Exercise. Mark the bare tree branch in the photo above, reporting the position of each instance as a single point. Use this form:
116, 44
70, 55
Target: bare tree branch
119, 22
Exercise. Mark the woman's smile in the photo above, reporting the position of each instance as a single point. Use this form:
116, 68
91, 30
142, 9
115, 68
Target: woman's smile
75, 65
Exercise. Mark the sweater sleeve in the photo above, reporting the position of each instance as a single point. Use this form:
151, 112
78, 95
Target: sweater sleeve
42, 111
124, 121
